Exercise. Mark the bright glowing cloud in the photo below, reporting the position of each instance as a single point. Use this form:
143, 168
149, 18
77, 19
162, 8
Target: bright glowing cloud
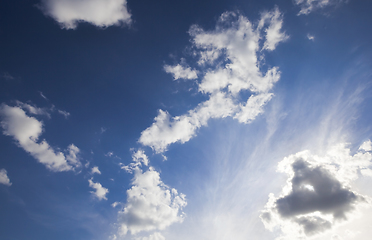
27, 130
232, 51
100, 191
151, 205
318, 195
101, 13
4, 179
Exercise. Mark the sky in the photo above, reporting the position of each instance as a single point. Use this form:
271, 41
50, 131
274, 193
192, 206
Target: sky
210, 120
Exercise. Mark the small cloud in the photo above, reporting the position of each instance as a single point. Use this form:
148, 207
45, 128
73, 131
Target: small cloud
310, 37
43, 96
100, 13
95, 170
103, 130
100, 192
4, 179
115, 204
109, 154
64, 113
181, 72
32, 109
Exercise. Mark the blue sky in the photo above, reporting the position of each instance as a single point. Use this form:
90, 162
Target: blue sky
185, 120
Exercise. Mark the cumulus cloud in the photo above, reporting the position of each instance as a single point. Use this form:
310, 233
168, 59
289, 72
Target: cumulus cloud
95, 170
4, 179
307, 6
27, 130
101, 13
181, 72
151, 205
231, 52
100, 192
318, 195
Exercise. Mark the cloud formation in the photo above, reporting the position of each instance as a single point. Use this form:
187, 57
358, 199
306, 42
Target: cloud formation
27, 130
151, 205
229, 66
181, 72
307, 6
318, 193
101, 13
100, 191
4, 179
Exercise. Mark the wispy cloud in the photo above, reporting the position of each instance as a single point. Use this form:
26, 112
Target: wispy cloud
101, 13
232, 51
307, 6
26, 131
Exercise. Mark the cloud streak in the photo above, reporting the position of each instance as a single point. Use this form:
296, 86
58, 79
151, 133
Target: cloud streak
27, 130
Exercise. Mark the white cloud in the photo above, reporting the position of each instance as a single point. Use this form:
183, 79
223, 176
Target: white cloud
273, 31
308, 6
233, 49
64, 113
95, 170
151, 205
318, 195
310, 37
33, 109
139, 157
101, 13
100, 192
4, 179
155, 236
181, 72
27, 130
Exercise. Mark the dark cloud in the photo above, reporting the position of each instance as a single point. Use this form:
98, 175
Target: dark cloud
316, 189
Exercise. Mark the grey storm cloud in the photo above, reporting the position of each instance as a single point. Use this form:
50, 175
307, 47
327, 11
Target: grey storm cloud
317, 195
315, 189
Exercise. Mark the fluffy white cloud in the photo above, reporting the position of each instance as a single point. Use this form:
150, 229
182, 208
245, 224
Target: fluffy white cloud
231, 52
100, 192
27, 130
318, 194
4, 179
151, 205
101, 13
181, 72
95, 170
308, 6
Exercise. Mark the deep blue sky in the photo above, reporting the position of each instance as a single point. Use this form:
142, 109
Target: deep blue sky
112, 82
